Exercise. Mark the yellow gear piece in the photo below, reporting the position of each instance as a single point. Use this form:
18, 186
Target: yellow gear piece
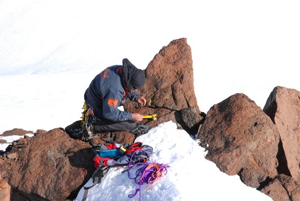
153, 116
86, 130
150, 102
84, 115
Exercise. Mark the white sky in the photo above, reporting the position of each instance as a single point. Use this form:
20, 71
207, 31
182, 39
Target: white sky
234, 43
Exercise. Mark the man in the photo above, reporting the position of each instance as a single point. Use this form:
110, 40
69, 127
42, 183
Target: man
111, 89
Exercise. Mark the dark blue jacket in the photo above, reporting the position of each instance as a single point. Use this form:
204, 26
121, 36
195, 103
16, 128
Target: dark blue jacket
107, 92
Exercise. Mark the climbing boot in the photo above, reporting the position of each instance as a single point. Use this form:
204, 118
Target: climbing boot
140, 129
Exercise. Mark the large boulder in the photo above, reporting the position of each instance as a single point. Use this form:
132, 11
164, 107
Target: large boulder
48, 166
169, 88
241, 139
283, 107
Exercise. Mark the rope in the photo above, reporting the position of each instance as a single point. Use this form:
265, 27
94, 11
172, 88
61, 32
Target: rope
148, 173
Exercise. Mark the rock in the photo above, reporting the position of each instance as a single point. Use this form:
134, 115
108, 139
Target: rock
241, 139
192, 119
295, 194
4, 190
170, 86
288, 183
283, 187
276, 191
121, 137
52, 166
40, 131
2, 141
16, 131
283, 107
12, 155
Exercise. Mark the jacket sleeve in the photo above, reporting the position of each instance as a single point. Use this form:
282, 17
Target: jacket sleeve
133, 95
111, 101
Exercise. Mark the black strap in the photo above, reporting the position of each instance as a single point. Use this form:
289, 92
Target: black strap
97, 176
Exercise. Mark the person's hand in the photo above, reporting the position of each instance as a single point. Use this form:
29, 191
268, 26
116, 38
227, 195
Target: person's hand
137, 117
141, 100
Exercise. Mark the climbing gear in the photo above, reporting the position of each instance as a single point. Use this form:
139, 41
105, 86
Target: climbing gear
140, 129
153, 117
120, 159
97, 176
88, 121
123, 154
148, 173
150, 102
137, 156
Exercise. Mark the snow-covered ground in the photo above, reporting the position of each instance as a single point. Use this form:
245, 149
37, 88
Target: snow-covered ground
189, 177
51, 50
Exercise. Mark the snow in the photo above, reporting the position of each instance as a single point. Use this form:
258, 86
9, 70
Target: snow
189, 177
51, 50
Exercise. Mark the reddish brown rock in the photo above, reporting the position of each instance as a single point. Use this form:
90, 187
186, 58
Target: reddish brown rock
2, 141
283, 187
51, 166
170, 86
4, 189
295, 194
121, 137
283, 107
241, 139
276, 191
40, 131
12, 155
16, 131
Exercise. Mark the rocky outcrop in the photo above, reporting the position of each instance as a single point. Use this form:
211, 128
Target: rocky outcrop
49, 166
241, 139
262, 147
169, 88
283, 107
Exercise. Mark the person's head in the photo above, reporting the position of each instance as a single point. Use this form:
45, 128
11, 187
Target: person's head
137, 79
134, 77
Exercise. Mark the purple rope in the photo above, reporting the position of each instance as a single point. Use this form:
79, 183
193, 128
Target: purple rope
142, 175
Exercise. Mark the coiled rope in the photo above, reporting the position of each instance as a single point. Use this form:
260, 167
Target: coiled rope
147, 173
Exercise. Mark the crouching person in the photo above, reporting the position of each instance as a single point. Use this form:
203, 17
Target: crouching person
109, 90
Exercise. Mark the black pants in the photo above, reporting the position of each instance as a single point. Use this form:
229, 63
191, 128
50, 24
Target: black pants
105, 125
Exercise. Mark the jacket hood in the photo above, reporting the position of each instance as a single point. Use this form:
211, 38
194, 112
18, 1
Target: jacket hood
133, 76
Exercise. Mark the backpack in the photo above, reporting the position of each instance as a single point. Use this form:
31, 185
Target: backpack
111, 155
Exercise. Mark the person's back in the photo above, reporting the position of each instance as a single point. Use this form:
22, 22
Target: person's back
109, 80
